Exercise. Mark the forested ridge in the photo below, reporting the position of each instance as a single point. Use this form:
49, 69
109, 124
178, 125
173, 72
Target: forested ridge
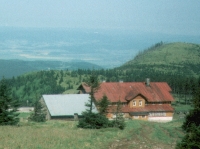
27, 87
182, 76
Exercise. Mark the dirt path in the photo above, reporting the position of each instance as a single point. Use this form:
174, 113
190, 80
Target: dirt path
25, 109
143, 142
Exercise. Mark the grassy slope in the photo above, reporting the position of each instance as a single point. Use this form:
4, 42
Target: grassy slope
65, 134
177, 53
168, 57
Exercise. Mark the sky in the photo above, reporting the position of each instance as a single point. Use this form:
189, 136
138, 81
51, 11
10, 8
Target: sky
179, 17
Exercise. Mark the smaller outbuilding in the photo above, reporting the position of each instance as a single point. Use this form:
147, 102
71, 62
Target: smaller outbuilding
65, 106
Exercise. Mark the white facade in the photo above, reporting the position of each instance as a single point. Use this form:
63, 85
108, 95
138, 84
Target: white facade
160, 119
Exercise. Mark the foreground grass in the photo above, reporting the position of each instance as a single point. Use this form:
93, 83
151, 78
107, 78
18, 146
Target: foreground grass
65, 134
53, 134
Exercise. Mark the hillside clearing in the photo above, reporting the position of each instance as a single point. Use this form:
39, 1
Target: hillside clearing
173, 58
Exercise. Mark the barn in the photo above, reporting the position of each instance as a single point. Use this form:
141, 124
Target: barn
65, 106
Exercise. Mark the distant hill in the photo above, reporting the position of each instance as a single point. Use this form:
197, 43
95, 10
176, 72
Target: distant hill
177, 58
174, 63
10, 68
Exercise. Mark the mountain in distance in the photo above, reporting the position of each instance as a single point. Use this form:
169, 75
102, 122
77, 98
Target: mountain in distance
157, 63
108, 48
174, 58
10, 68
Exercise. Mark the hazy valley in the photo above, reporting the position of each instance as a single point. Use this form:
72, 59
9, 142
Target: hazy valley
106, 48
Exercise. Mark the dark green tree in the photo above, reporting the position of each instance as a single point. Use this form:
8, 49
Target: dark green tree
192, 125
39, 114
93, 121
191, 140
193, 118
93, 83
8, 106
119, 121
103, 105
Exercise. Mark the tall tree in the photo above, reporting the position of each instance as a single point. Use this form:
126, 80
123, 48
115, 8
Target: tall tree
39, 114
193, 118
103, 105
119, 121
8, 106
93, 83
192, 125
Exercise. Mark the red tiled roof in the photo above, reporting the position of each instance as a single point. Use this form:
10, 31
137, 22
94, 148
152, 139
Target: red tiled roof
147, 108
125, 91
86, 87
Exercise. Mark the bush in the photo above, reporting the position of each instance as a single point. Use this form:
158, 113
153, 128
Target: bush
119, 122
93, 121
39, 114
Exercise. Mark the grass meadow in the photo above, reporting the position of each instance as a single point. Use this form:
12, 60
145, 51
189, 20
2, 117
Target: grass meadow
60, 134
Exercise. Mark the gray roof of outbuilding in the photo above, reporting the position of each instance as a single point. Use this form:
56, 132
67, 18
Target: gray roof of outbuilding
66, 104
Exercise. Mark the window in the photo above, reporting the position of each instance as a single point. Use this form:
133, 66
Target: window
134, 103
157, 114
140, 103
123, 103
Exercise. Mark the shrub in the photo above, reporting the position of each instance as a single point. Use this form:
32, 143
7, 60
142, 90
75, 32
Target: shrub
39, 114
93, 121
119, 121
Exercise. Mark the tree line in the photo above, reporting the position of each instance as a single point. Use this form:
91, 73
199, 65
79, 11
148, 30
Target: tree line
26, 87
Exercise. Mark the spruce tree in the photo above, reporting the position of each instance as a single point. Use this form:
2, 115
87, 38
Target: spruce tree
39, 114
193, 118
103, 105
90, 119
8, 106
192, 125
93, 83
119, 121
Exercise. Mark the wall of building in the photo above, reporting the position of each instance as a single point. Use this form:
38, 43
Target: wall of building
81, 92
48, 116
140, 117
169, 114
167, 118
139, 101
113, 116
160, 119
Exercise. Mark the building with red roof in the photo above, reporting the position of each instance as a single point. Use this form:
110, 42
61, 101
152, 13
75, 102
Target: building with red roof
140, 100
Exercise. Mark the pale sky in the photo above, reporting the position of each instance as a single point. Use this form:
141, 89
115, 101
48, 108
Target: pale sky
180, 17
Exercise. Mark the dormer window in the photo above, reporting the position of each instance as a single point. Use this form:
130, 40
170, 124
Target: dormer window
140, 103
134, 103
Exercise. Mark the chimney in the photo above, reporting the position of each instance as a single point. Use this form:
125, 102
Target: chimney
147, 82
